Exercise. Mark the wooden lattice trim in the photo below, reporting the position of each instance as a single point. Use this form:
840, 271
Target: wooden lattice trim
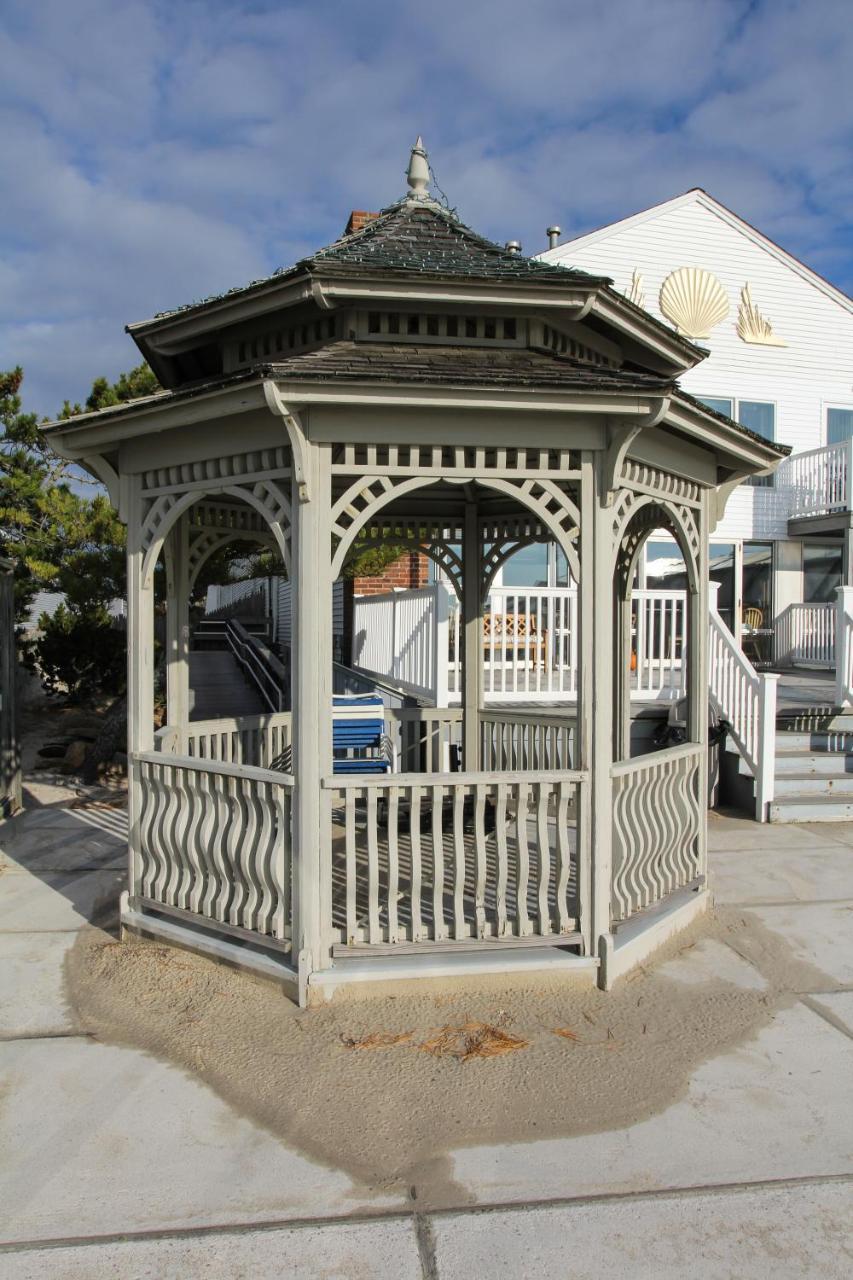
635, 516
471, 462
250, 467
660, 484
208, 542
266, 501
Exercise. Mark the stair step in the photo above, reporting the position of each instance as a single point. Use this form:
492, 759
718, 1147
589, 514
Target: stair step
813, 784
816, 720
819, 740
827, 763
810, 808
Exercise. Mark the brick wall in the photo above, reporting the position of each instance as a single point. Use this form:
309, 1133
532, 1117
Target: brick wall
410, 570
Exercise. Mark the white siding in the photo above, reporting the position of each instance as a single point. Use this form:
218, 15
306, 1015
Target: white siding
813, 371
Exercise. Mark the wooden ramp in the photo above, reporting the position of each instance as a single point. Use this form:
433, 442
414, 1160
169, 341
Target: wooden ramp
218, 687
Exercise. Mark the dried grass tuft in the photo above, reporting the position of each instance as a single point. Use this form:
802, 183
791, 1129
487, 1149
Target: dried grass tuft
377, 1040
472, 1040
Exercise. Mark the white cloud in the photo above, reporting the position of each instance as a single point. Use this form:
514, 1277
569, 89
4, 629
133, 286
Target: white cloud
162, 152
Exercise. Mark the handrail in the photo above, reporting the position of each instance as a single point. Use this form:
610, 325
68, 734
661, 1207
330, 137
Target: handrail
344, 782
195, 764
260, 664
380, 683
748, 703
683, 751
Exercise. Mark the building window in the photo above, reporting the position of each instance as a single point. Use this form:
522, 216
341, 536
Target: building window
528, 567
756, 415
839, 425
718, 405
821, 573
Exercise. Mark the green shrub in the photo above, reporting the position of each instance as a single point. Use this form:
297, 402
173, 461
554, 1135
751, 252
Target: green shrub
81, 655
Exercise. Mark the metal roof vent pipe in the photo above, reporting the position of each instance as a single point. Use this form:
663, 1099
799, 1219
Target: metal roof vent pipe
553, 234
513, 246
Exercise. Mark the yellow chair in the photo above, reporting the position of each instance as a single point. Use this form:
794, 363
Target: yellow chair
753, 621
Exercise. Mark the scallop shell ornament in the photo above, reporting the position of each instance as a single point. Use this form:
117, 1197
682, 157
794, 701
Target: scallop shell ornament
694, 300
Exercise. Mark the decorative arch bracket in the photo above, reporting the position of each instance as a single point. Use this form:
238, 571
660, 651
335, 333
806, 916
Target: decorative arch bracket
722, 493
296, 436
621, 437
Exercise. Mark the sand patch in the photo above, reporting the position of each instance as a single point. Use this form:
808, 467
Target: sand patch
386, 1089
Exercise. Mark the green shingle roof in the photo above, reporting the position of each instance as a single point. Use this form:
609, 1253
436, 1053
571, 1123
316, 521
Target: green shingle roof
416, 238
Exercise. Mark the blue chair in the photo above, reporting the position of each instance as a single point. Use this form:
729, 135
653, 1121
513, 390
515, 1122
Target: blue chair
359, 741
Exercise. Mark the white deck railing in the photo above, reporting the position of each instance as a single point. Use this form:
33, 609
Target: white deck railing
748, 703
844, 639
530, 644
805, 633
426, 859
401, 636
818, 480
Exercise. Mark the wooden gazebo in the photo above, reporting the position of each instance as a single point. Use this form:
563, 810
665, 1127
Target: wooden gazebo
414, 382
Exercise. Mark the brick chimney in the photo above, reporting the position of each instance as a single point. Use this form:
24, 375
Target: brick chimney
358, 218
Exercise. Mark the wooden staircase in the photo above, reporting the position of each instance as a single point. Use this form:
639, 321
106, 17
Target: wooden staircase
812, 773
814, 767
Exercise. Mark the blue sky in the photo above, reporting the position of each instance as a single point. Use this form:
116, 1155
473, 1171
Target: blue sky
158, 152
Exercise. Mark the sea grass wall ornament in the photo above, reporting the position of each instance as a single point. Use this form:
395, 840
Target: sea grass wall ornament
694, 300
752, 325
636, 293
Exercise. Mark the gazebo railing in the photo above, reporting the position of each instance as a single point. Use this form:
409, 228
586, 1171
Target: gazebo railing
523, 740
425, 739
213, 841
425, 859
658, 817
262, 741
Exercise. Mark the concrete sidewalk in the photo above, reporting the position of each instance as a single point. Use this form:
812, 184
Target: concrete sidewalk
117, 1163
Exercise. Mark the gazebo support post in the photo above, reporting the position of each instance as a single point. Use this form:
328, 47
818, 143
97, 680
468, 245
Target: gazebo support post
312, 713
602, 717
140, 669
697, 667
622, 675
584, 730
472, 621
178, 631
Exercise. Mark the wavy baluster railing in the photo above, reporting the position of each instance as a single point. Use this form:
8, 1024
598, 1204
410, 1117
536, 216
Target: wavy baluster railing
658, 812
446, 860
214, 841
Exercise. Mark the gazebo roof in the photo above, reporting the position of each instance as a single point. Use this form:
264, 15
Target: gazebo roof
411, 237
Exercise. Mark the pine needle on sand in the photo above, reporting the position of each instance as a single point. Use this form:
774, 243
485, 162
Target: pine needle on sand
471, 1039
377, 1040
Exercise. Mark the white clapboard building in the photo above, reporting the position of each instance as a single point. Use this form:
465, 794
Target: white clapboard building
780, 342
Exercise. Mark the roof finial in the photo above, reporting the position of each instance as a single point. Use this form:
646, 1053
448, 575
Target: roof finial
418, 172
